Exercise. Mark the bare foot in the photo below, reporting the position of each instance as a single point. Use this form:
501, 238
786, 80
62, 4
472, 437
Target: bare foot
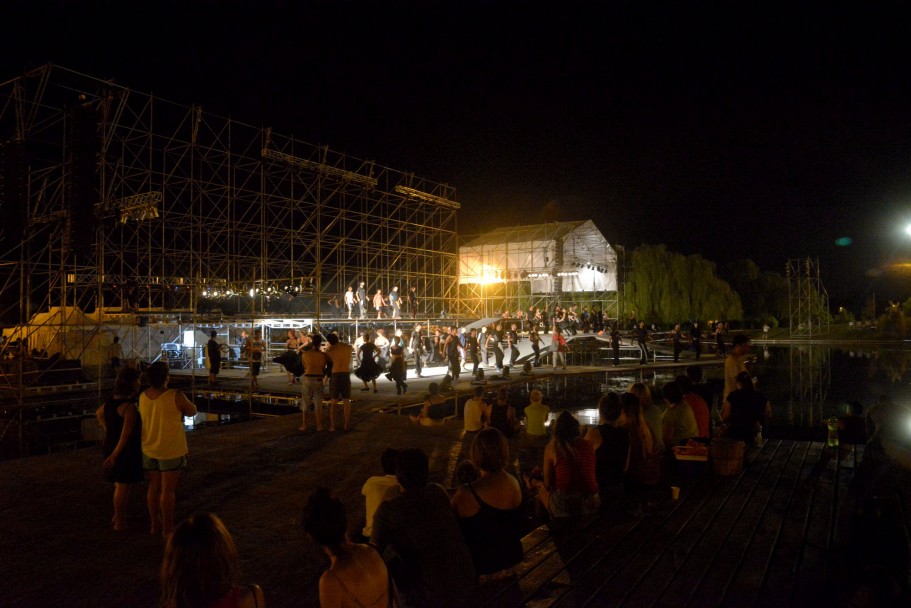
301, 428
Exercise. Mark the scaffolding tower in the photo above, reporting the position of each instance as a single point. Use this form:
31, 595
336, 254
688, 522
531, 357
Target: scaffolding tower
125, 201
808, 300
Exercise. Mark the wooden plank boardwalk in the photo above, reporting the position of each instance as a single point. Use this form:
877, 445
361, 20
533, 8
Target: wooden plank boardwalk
764, 537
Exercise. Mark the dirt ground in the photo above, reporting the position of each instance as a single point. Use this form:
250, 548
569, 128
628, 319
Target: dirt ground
57, 547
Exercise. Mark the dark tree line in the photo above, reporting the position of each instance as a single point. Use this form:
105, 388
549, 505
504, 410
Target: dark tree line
667, 287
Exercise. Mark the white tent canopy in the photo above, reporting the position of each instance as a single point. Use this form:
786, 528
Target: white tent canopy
576, 253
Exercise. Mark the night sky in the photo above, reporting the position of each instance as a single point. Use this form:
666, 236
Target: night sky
724, 131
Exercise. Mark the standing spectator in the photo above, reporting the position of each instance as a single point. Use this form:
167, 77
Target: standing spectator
536, 415
476, 411
696, 337
201, 568
642, 339
350, 301
678, 424
569, 490
164, 445
315, 362
115, 354
612, 450
490, 509
379, 488
255, 349
419, 533
339, 354
558, 347
122, 447
362, 299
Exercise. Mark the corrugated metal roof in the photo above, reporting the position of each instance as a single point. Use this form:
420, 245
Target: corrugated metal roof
524, 234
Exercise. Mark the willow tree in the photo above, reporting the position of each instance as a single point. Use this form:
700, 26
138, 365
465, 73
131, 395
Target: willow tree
667, 287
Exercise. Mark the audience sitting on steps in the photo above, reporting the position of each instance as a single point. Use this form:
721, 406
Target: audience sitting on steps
419, 535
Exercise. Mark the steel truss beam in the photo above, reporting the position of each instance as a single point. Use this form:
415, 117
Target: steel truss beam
236, 205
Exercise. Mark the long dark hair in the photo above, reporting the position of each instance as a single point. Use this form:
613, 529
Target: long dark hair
566, 431
635, 423
200, 564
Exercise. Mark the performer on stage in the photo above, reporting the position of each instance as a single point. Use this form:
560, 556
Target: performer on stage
417, 349
362, 299
394, 302
349, 301
413, 302
379, 303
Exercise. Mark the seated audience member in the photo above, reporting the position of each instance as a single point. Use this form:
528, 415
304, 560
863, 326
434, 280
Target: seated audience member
678, 424
502, 415
476, 411
697, 404
435, 410
431, 564
744, 408
201, 568
380, 487
852, 429
569, 489
490, 509
465, 472
536, 414
357, 575
644, 470
612, 446
697, 376
651, 413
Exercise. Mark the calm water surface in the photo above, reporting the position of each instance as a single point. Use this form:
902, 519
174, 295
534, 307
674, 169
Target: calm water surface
808, 383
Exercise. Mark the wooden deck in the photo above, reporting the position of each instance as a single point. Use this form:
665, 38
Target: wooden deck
765, 537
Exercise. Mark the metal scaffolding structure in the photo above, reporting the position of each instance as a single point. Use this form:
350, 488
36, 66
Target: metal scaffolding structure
127, 201
808, 300
537, 265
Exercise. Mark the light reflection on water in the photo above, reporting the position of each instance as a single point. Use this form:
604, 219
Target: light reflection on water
806, 383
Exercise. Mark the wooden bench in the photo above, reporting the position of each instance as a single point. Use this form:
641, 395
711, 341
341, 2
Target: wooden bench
765, 536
